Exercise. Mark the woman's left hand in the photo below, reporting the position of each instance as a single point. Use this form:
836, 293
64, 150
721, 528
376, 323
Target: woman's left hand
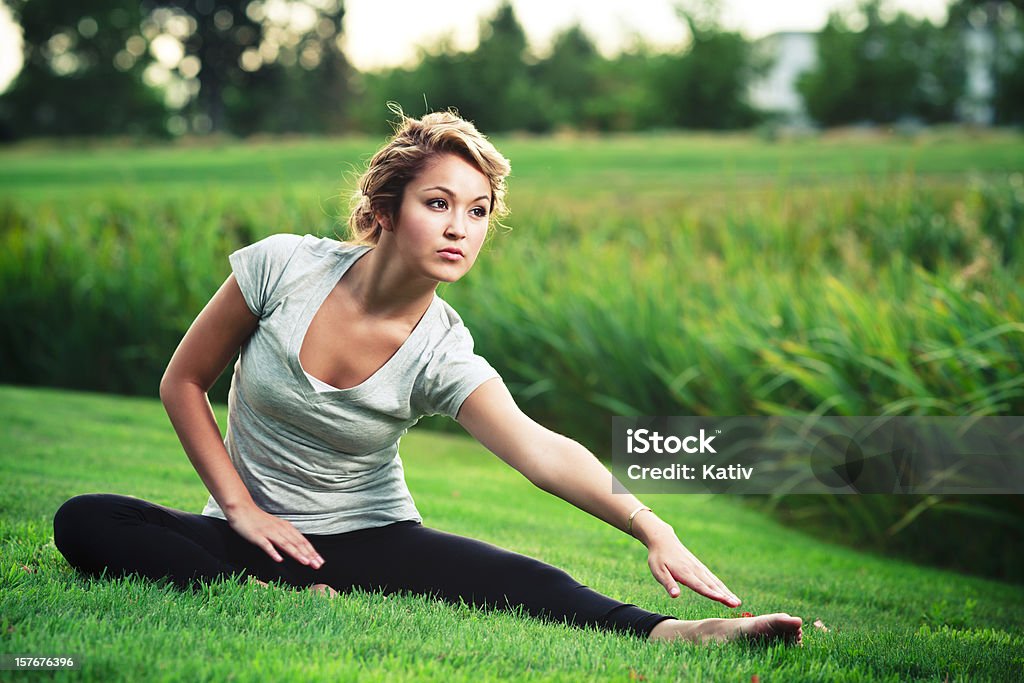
671, 562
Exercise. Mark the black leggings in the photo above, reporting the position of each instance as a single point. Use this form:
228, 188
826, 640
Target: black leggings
122, 535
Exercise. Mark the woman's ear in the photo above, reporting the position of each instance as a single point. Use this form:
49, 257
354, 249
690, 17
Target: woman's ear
384, 220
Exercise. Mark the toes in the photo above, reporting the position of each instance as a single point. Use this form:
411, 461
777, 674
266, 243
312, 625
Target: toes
786, 620
779, 626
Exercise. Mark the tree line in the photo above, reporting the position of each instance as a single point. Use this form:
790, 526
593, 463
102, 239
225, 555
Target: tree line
166, 67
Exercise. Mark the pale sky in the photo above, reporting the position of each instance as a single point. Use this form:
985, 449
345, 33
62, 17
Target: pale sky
379, 34
387, 33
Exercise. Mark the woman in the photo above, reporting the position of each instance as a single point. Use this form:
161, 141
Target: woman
344, 346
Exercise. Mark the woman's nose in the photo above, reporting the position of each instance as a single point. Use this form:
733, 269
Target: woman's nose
456, 227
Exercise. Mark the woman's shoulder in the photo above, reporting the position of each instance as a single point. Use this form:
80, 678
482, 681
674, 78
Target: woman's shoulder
447, 317
309, 242
450, 332
286, 245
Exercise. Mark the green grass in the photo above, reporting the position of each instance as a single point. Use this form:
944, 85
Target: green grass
620, 166
888, 620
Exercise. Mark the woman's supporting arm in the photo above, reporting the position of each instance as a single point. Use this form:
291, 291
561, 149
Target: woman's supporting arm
563, 467
209, 345
207, 348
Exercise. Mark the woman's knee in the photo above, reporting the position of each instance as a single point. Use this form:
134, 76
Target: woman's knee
80, 520
554, 576
532, 575
83, 510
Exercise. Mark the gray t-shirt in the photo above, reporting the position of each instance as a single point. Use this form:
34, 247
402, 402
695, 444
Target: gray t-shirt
328, 461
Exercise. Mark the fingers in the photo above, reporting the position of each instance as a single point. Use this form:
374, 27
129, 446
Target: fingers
282, 535
701, 581
272, 534
723, 594
299, 547
664, 577
701, 573
714, 588
699, 586
269, 549
668, 580
671, 562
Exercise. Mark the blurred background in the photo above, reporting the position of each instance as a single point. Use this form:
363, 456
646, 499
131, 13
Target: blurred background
718, 208
168, 69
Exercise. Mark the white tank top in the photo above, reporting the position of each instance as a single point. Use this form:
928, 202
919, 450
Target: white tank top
319, 384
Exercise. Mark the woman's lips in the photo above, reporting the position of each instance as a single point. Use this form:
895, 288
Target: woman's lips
451, 255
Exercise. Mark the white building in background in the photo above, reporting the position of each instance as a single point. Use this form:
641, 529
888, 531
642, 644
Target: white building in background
795, 52
974, 106
792, 53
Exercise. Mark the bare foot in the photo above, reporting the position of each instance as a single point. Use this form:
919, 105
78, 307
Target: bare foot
321, 588
764, 628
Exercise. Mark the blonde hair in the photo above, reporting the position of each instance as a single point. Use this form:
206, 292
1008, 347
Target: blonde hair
415, 144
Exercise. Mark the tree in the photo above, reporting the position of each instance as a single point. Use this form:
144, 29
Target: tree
82, 72
706, 85
489, 85
261, 69
890, 70
567, 80
442, 78
502, 96
999, 24
626, 97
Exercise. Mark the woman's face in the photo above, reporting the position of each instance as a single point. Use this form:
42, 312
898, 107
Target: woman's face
443, 219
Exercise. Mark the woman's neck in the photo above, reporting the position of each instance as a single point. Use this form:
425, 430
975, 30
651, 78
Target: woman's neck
382, 289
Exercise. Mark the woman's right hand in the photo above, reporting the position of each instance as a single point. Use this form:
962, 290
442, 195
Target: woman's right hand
272, 533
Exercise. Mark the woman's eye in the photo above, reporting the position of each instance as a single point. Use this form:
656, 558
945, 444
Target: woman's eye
481, 212
435, 202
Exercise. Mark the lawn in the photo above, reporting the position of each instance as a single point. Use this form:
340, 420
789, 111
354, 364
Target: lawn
544, 169
886, 620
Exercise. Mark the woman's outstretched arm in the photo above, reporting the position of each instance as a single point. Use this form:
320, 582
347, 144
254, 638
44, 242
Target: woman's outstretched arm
563, 467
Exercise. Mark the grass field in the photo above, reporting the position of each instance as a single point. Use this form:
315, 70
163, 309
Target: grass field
886, 620
570, 168
662, 274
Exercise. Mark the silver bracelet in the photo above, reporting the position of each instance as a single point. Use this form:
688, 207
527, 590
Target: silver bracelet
629, 525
